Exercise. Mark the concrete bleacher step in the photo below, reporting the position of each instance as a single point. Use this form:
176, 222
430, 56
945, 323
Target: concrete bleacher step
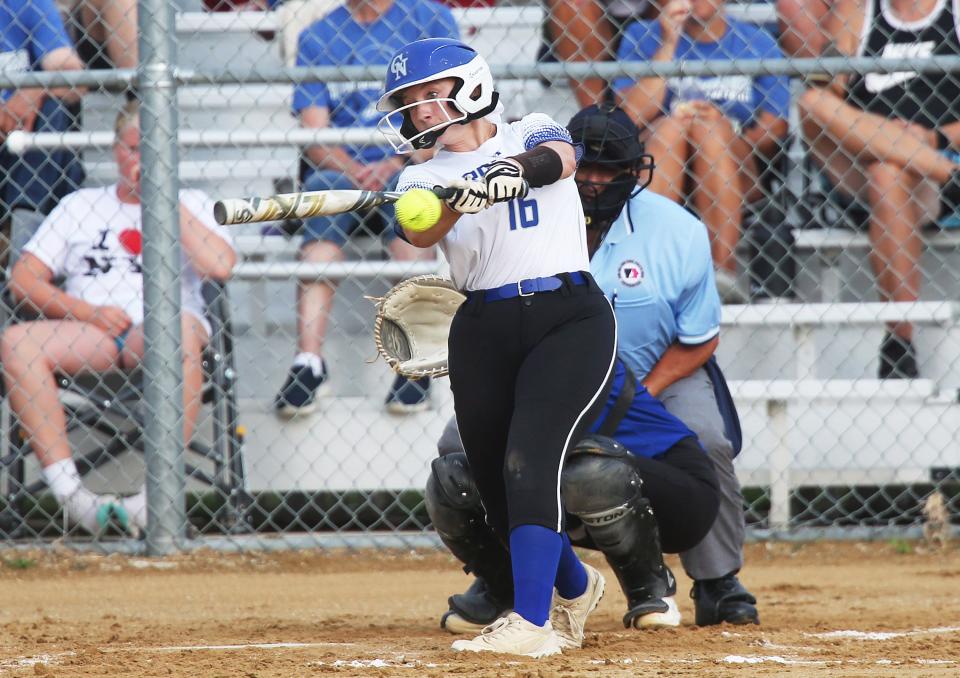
193, 172
832, 240
837, 259
815, 315
842, 352
899, 430
835, 341
221, 170
752, 390
349, 443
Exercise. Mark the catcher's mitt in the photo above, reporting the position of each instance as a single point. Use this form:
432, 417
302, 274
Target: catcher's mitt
413, 323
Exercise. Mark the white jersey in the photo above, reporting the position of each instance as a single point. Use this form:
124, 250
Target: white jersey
539, 236
93, 240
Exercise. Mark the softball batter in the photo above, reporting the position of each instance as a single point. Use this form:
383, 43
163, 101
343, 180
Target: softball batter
532, 348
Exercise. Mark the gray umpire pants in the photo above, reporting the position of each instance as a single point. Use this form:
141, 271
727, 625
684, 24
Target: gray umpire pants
692, 401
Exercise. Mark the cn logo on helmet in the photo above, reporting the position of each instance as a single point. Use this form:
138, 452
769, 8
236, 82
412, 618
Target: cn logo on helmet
630, 273
399, 66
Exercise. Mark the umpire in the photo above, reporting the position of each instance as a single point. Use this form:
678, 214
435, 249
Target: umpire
652, 259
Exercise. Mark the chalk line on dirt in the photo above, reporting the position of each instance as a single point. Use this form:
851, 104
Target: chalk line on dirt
882, 635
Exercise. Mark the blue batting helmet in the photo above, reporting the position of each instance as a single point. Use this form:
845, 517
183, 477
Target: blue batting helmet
427, 60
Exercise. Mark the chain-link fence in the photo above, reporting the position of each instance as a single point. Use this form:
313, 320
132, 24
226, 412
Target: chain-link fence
829, 187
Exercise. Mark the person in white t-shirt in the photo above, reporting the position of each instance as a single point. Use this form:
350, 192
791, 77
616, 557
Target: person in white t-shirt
532, 348
95, 322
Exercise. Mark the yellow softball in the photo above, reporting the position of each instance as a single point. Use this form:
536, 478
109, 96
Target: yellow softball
418, 209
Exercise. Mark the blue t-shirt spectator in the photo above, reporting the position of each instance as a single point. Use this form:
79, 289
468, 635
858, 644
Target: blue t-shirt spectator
339, 40
29, 31
740, 97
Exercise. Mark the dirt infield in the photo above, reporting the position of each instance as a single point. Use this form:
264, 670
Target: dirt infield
879, 609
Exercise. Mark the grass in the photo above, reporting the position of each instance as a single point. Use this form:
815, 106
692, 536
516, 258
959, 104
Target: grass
19, 563
901, 546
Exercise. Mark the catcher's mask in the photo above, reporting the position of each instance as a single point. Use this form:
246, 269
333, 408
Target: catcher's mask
611, 145
427, 60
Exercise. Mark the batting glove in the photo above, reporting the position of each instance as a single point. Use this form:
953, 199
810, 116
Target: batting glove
505, 181
470, 196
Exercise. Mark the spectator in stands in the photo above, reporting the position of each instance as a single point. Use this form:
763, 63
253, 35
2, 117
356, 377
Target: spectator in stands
708, 134
360, 32
105, 31
95, 323
591, 30
803, 26
32, 38
890, 141
296, 15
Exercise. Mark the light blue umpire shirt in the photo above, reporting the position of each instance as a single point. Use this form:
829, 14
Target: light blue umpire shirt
655, 267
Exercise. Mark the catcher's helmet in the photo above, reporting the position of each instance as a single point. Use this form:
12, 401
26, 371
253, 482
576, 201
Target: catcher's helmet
427, 60
610, 139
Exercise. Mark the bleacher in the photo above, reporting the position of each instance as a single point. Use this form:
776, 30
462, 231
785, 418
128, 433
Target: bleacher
793, 366
504, 34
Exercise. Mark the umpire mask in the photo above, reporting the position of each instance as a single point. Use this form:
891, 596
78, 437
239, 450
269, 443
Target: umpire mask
610, 141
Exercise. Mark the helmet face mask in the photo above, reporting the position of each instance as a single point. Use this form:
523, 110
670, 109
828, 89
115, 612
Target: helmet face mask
604, 200
397, 126
611, 145
425, 61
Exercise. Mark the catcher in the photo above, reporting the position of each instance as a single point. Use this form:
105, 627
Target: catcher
638, 481
531, 350
639, 485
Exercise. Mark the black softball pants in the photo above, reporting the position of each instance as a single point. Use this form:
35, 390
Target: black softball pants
529, 375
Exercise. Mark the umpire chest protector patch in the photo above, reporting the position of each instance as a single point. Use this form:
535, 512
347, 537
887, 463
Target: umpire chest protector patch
630, 273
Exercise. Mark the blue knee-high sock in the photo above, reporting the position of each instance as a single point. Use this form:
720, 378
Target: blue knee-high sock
571, 577
535, 552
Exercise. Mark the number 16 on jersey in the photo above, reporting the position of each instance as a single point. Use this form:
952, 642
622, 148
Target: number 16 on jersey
524, 213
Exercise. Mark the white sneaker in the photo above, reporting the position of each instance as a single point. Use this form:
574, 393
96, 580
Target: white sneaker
513, 635
569, 616
660, 620
97, 513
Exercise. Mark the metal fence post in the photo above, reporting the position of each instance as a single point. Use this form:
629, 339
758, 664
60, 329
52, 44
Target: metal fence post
166, 523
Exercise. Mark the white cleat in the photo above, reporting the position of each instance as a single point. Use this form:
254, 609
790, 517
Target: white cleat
513, 634
570, 616
660, 620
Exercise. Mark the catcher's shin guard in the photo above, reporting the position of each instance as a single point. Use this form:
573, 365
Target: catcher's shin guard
601, 488
453, 504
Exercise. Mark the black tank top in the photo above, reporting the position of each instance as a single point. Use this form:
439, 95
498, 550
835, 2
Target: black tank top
930, 99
